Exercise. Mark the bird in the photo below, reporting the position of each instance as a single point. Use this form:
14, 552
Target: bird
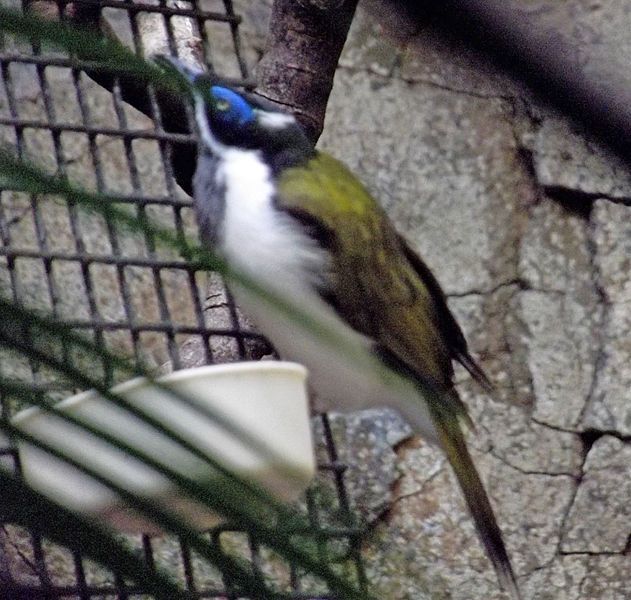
299, 221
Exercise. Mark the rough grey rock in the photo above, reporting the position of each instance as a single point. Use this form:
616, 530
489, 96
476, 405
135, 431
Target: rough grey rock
610, 406
580, 576
540, 293
599, 520
254, 27
368, 49
428, 544
464, 184
564, 158
562, 155
366, 440
561, 313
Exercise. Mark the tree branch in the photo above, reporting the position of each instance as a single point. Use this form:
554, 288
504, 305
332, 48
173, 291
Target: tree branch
305, 41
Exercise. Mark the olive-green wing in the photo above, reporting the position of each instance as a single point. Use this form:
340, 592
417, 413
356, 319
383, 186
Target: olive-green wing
447, 323
373, 285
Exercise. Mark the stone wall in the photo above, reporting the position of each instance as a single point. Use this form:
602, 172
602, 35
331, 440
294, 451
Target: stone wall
526, 223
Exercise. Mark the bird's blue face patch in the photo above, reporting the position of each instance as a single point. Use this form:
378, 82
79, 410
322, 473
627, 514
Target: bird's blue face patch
231, 108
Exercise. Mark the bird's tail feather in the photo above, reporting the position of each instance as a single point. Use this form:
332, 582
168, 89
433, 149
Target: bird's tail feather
453, 443
475, 370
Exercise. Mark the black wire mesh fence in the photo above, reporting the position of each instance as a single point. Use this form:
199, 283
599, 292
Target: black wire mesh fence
128, 295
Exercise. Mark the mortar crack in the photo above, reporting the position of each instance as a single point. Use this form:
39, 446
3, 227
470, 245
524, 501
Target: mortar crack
393, 74
418, 491
554, 427
591, 553
566, 194
604, 301
566, 514
509, 464
459, 91
516, 282
383, 516
581, 585
8, 540
216, 305
595, 434
16, 218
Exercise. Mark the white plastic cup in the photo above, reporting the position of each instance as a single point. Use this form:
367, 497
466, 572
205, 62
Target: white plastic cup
268, 400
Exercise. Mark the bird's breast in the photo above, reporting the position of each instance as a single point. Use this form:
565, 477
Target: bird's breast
256, 236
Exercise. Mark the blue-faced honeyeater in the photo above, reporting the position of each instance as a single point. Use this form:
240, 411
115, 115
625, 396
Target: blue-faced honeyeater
298, 220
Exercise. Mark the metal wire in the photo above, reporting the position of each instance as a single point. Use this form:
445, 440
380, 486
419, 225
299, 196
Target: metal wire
53, 238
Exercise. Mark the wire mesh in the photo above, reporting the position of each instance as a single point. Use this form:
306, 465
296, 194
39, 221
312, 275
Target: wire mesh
130, 296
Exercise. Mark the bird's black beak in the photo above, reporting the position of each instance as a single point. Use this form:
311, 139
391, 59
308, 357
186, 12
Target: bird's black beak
184, 76
170, 63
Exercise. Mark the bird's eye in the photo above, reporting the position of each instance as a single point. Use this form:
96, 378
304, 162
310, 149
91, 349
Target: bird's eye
222, 105
229, 107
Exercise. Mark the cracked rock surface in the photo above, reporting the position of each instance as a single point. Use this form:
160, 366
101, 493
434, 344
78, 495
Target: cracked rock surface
609, 407
525, 222
599, 518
